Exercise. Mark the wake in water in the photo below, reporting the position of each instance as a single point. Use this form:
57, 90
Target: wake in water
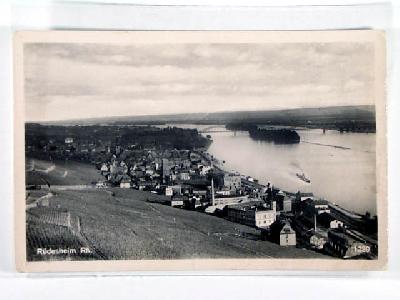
299, 173
296, 165
327, 145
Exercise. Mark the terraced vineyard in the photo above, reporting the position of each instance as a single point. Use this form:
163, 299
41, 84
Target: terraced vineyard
53, 228
127, 224
44, 235
54, 216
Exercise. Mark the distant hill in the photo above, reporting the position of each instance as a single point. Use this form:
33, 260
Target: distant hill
298, 116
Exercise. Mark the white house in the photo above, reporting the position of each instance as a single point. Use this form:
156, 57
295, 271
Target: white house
104, 168
125, 183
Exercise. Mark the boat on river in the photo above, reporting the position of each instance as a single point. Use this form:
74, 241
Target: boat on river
303, 177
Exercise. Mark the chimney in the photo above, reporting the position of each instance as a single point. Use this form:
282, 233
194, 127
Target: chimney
212, 192
212, 184
315, 222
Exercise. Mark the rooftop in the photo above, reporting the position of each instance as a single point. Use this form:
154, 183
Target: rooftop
248, 205
306, 195
321, 202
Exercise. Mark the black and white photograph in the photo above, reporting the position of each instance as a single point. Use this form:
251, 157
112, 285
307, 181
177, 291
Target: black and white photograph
207, 150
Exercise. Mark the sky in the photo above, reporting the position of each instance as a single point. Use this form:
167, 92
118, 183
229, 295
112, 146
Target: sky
83, 80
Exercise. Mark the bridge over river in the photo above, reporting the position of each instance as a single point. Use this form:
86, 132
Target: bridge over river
213, 128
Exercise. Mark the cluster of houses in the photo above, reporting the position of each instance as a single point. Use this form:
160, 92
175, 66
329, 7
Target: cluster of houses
321, 227
155, 170
70, 148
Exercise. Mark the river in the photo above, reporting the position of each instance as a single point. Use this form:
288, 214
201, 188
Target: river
341, 167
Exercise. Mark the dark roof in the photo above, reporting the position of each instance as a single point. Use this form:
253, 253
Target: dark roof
286, 228
180, 198
326, 217
320, 202
339, 233
199, 191
278, 226
317, 233
306, 195
125, 178
147, 183
247, 205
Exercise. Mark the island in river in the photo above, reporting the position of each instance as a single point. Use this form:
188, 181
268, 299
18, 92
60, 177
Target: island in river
278, 136
275, 135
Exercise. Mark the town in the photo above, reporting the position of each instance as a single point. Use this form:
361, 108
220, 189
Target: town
189, 178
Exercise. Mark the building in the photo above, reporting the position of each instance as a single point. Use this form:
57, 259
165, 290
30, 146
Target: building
192, 202
104, 168
304, 196
287, 204
283, 202
317, 240
113, 167
200, 193
196, 202
125, 182
101, 185
315, 207
69, 140
185, 163
282, 233
213, 209
184, 176
185, 189
117, 149
287, 236
177, 201
166, 168
342, 244
149, 171
173, 190
321, 206
146, 185
252, 213
232, 181
169, 191
204, 170
224, 192
225, 200
328, 221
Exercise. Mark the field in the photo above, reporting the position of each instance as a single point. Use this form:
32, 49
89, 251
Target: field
123, 224
40, 172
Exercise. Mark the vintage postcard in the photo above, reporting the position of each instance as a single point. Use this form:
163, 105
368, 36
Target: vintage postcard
195, 150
